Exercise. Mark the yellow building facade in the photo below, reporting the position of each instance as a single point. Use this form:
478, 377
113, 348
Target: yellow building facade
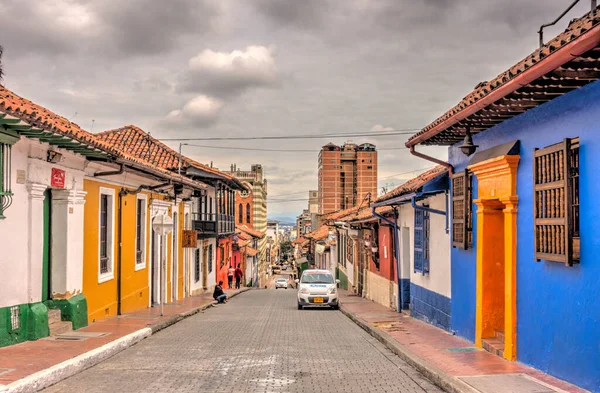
119, 280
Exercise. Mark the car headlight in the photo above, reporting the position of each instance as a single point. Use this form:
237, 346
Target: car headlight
304, 291
332, 290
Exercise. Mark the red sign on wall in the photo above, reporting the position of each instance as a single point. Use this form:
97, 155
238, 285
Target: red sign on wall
58, 178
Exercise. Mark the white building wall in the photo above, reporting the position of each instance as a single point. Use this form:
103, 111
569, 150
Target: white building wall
22, 262
438, 279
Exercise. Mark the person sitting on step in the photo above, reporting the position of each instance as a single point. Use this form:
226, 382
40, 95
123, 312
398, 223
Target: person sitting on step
218, 294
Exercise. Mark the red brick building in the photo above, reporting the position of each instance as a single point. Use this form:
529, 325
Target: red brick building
347, 174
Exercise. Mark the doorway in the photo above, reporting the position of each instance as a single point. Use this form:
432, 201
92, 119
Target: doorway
205, 263
496, 277
47, 252
155, 270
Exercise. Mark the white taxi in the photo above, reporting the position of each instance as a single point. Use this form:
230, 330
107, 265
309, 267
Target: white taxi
317, 288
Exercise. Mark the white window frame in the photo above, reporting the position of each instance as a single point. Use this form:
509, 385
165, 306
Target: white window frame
110, 238
141, 266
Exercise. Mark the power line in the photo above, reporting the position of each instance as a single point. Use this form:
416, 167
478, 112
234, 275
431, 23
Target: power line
277, 150
309, 136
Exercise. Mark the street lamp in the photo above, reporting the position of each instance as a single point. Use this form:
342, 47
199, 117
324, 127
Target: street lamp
468, 147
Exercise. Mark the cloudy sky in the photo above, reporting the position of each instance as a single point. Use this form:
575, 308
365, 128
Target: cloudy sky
202, 68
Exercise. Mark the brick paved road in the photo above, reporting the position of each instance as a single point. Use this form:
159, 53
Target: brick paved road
258, 342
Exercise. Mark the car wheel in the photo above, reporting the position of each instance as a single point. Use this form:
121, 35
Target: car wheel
299, 306
336, 307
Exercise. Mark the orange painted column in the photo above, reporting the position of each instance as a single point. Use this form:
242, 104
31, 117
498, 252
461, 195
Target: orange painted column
510, 277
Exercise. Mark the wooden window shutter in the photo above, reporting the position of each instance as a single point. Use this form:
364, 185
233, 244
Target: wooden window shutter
553, 202
460, 209
419, 246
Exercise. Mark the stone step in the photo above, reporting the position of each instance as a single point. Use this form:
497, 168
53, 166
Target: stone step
57, 328
53, 316
493, 346
499, 334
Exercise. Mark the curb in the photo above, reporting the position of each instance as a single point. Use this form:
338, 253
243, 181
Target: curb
61, 371
68, 368
431, 372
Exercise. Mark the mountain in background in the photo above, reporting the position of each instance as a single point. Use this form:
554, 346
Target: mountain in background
283, 220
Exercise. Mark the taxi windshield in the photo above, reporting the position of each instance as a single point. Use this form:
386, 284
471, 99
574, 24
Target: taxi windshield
316, 278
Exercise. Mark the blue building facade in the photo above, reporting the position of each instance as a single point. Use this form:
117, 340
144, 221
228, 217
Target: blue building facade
558, 306
525, 271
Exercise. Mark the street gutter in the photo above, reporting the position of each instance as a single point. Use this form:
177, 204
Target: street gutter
431, 372
59, 372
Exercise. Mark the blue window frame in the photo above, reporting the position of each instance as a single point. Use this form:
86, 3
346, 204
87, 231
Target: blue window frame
421, 247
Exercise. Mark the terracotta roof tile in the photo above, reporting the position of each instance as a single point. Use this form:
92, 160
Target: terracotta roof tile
252, 232
40, 117
251, 251
414, 184
319, 234
138, 143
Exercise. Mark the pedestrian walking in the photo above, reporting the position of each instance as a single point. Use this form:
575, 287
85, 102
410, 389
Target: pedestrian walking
230, 274
238, 276
218, 294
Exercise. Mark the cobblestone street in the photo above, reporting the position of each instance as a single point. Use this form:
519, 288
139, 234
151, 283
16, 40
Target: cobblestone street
258, 342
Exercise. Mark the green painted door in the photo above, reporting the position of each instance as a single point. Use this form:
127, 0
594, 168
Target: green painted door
46, 290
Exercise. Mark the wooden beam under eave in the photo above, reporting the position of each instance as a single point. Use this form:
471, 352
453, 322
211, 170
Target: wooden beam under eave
7, 119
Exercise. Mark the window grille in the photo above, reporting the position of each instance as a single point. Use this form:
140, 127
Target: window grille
139, 241
197, 266
462, 212
104, 234
421, 242
15, 318
556, 203
210, 258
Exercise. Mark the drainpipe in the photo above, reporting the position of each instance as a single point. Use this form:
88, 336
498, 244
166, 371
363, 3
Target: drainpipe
432, 159
111, 173
119, 253
394, 224
413, 203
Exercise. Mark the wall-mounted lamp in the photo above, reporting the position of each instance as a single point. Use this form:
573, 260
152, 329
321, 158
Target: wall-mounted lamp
53, 156
468, 147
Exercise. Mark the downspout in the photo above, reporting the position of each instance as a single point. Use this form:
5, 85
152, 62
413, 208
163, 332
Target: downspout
394, 224
111, 173
432, 159
413, 203
119, 253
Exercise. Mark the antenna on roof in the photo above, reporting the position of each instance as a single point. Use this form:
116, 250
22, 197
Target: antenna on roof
92, 128
72, 117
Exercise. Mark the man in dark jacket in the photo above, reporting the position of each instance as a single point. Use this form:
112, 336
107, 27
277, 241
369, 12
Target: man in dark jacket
218, 294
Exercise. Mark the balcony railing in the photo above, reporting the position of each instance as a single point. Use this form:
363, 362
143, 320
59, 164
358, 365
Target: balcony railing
226, 224
211, 224
205, 223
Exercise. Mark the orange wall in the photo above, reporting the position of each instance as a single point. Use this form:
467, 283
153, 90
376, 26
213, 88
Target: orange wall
102, 297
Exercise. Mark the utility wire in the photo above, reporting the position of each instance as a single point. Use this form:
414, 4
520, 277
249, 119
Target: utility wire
277, 150
309, 136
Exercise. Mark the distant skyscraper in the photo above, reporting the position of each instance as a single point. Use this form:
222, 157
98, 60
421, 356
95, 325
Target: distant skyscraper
346, 175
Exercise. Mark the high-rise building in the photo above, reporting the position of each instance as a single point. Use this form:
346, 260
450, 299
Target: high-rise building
346, 175
256, 200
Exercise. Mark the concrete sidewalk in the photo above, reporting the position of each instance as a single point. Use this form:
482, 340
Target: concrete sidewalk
33, 365
452, 363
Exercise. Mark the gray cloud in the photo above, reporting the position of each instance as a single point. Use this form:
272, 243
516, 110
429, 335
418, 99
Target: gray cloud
110, 27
